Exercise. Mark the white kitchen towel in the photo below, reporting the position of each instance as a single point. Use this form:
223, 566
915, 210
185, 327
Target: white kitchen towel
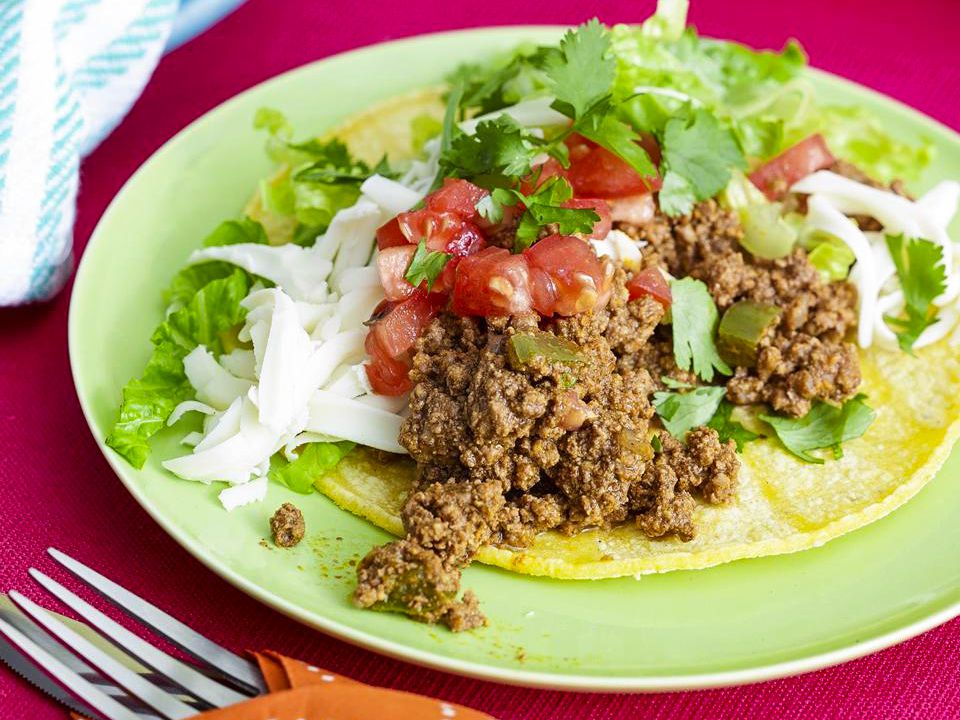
69, 72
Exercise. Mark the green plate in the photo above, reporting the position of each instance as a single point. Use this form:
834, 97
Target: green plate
745, 621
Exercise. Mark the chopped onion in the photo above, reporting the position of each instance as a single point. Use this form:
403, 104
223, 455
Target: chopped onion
620, 247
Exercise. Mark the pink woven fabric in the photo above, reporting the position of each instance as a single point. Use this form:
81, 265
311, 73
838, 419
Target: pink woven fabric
58, 490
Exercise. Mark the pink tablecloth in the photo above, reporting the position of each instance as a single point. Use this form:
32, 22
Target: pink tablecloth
56, 489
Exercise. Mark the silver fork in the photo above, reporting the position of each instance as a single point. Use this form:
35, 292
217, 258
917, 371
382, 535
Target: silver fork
99, 674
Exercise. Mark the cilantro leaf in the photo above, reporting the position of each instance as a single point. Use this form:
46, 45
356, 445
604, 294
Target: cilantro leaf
425, 266
583, 72
681, 412
499, 147
729, 429
922, 276
825, 426
504, 81
604, 127
544, 207
695, 320
698, 154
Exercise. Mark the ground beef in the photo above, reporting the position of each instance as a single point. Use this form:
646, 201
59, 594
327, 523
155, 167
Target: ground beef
663, 501
507, 450
287, 525
806, 357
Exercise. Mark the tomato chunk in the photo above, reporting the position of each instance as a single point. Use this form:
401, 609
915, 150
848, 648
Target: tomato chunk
386, 375
596, 172
392, 264
776, 176
566, 276
456, 196
602, 208
650, 282
492, 282
397, 331
441, 231
390, 235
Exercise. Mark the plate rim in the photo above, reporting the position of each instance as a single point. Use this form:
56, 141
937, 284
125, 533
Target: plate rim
439, 661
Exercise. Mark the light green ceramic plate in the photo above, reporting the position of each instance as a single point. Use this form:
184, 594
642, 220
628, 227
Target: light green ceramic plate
742, 622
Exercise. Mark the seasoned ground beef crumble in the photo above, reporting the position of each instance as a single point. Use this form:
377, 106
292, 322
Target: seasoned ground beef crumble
508, 450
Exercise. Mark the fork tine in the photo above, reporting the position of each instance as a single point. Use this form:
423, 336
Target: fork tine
186, 638
91, 695
164, 703
183, 675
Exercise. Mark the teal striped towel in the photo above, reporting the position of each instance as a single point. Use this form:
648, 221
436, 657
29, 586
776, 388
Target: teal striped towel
69, 72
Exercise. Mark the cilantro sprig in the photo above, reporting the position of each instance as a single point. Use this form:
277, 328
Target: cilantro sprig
825, 426
680, 412
923, 277
695, 320
426, 266
698, 155
543, 207
582, 76
729, 429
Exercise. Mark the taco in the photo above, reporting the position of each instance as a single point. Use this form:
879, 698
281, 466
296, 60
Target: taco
631, 303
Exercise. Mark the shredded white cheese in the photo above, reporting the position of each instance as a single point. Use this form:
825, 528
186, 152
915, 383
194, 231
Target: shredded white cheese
834, 197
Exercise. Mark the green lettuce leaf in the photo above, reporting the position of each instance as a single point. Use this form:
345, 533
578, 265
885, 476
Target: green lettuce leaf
188, 281
149, 400
316, 459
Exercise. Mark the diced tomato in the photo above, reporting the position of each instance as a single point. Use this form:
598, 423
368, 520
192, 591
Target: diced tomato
776, 176
650, 282
447, 277
456, 196
390, 235
492, 282
566, 276
386, 375
633, 209
442, 231
540, 174
602, 208
392, 264
596, 172
397, 331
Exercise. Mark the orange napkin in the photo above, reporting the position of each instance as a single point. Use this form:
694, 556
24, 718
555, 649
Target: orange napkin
299, 691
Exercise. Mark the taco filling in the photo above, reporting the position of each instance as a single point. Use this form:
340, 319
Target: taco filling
609, 299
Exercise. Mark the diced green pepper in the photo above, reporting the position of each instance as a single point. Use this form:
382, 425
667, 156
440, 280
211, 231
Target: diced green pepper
524, 347
741, 329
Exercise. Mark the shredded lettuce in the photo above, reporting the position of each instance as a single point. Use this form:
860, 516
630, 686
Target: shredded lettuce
314, 180
149, 400
831, 257
188, 281
315, 460
762, 95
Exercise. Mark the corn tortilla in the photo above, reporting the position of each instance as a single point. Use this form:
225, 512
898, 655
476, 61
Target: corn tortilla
782, 505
